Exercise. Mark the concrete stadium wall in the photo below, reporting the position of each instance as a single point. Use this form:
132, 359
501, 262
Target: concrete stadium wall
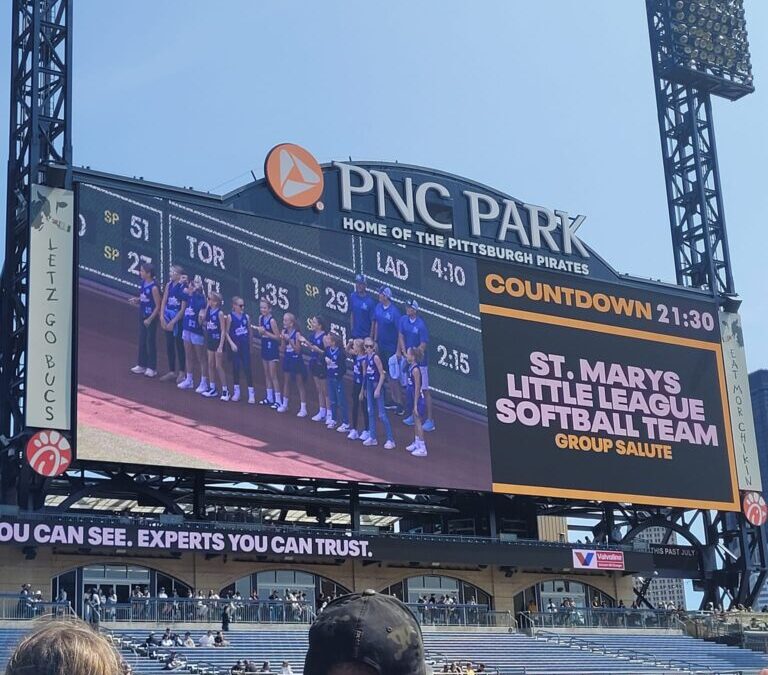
219, 572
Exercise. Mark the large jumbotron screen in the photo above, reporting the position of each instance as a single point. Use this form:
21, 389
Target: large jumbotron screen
511, 357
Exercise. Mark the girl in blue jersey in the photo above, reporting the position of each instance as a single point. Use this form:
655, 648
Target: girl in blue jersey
192, 334
239, 339
294, 368
214, 321
149, 307
356, 350
416, 402
374, 381
336, 363
316, 345
270, 354
171, 315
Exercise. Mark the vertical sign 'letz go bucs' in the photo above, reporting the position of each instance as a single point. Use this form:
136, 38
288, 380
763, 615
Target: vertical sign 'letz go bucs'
49, 350
604, 391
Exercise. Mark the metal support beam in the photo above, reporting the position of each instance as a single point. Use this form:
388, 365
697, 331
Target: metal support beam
40, 145
691, 170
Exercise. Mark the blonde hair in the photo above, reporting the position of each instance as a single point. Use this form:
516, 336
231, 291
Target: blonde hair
64, 648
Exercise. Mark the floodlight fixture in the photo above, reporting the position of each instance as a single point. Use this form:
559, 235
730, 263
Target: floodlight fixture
702, 44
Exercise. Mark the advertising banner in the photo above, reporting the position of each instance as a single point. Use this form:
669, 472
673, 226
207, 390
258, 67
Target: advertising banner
50, 302
586, 559
604, 392
739, 402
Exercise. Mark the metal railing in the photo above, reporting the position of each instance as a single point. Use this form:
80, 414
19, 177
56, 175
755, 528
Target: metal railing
467, 615
603, 617
164, 611
26, 608
634, 655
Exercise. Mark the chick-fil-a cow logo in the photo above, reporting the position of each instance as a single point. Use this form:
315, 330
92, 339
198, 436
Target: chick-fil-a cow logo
49, 453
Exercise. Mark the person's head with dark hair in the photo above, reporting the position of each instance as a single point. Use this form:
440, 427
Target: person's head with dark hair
365, 634
64, 648
147, 270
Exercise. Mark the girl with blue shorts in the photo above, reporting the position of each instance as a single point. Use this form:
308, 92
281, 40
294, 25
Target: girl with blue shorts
294, 368
215, 322
316, 346
270, 354
192, 334
416, 401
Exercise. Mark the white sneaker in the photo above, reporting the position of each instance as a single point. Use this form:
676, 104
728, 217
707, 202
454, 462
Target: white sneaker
365, 435
201, 388
186, 384
150, 373
225, 396
342, 428
252, 397
330, 424
370, 441
318, 417
301, 413
412, 446
212, 392
282, 408
389, 445
353, 435
235, 395
421, 451
138, 370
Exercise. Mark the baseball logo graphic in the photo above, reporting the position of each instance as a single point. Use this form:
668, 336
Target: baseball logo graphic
294, 175
49, 453
755, 508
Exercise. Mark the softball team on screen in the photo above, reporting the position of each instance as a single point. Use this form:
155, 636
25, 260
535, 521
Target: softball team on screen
386, 347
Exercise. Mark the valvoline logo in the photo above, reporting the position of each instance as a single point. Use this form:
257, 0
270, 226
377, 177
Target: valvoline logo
584, 559
294, 176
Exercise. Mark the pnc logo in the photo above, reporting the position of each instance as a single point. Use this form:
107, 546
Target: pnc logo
294, 176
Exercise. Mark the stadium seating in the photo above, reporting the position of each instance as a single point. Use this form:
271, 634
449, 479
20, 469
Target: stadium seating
503, 653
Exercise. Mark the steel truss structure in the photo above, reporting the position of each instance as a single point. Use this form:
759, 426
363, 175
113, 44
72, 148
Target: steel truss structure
40, 152
732, 560
702, 259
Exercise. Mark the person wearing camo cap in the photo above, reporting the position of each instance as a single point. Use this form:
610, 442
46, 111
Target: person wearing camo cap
365, 634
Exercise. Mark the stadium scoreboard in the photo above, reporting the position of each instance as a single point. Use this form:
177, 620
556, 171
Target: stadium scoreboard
587, 384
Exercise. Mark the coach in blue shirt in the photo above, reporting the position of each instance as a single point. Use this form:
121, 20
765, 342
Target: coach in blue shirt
386, 331
361, 306
414, 333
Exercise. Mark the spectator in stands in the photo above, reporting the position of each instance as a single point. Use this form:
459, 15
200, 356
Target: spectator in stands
207, 640
265, 667
174, 661
219, 641
238, 668
365, 634
285, 668
251, 667
226, 616
188, 641
64, 648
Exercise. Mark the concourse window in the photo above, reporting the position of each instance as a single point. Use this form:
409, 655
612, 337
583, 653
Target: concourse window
411, 589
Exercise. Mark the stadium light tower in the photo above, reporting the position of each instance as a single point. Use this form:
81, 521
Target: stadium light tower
699, 48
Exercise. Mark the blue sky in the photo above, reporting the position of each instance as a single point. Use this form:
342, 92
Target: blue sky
551, 101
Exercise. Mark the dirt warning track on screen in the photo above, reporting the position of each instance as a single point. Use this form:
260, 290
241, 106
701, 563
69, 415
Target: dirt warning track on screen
144, 421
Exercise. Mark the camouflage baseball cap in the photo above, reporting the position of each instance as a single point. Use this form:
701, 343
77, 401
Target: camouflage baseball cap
370, 628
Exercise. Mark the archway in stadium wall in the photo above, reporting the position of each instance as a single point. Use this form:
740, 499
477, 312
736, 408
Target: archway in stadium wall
410, 589
538, 595
265, 582
123, 579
